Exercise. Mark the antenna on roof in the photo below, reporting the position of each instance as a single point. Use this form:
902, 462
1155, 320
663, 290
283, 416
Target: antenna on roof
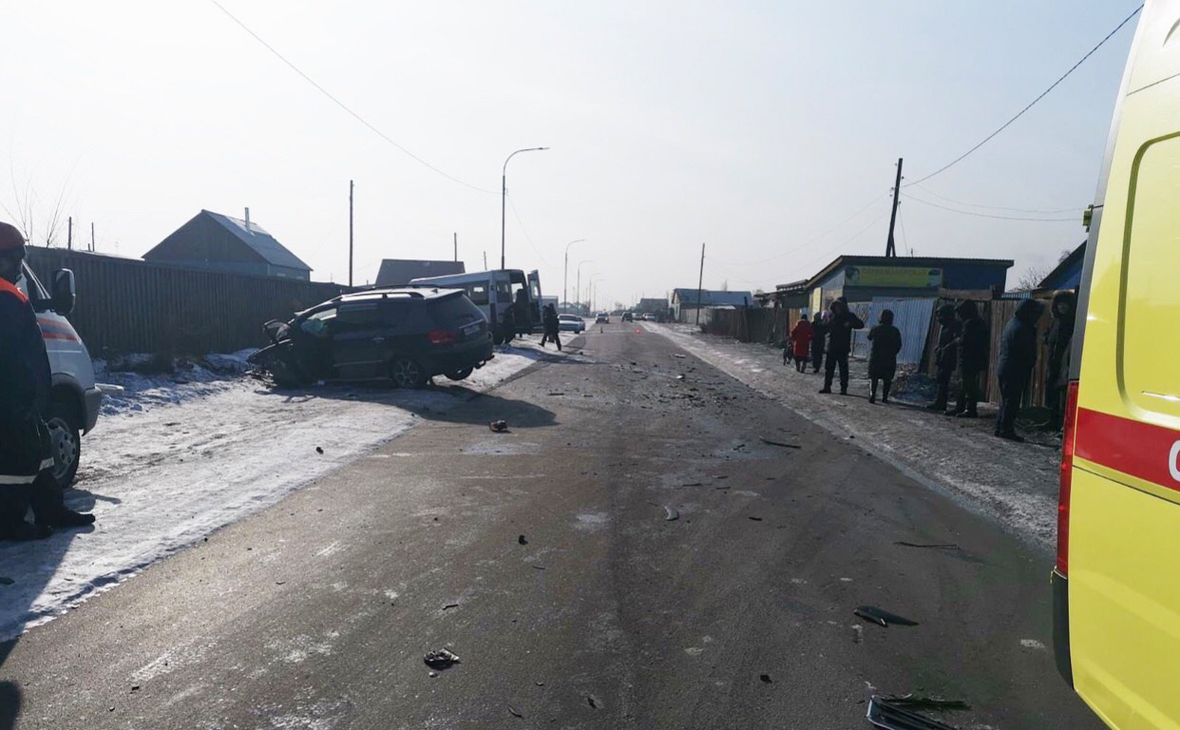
247, 220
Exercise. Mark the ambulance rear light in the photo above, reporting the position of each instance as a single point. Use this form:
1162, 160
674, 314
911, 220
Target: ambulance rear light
1066, 478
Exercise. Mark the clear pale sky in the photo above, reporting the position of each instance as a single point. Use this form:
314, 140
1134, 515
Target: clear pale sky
753, 126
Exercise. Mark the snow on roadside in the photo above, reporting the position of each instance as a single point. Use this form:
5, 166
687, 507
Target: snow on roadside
178, 456
1016, 484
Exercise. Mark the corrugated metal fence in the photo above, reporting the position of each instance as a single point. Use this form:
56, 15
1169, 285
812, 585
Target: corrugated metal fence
910, 316
128, 305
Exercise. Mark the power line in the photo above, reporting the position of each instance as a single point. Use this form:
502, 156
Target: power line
524, 230
996, 207
1075, 218
345, 107
809, 241
1042, 95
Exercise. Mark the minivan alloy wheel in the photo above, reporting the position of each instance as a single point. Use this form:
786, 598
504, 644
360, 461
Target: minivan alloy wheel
407, 373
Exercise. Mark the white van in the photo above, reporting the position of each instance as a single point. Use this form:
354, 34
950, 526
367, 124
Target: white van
75, 397
494, 292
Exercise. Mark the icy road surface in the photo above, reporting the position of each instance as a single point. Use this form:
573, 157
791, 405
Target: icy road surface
171, 461
1016, 484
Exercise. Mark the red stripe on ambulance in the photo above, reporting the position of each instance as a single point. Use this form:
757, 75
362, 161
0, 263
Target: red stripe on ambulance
1136, 448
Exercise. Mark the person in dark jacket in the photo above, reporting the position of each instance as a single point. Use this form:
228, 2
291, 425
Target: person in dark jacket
946, 355
552, 326
840, 344
1018, 354
819, 337
972, 349
801, 342
25, 453
886, 341
1058, 341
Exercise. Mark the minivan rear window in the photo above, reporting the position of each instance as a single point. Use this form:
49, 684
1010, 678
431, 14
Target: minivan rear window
454, 311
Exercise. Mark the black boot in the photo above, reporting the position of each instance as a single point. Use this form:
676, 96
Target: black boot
66, 518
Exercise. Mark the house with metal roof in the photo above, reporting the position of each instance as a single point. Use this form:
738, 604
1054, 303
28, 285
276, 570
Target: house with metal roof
685, 302
865, 278
399, 272
216, 242
1068, 272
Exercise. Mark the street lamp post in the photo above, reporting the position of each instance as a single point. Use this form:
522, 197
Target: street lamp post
504, 194
593, 290
578, 290
565, 289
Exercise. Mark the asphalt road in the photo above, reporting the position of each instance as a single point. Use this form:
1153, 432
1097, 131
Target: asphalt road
738, 613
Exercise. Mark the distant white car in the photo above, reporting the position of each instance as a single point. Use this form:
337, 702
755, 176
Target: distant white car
602, 318
570, 323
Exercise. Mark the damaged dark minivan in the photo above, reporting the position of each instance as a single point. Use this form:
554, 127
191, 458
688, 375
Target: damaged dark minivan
406, 336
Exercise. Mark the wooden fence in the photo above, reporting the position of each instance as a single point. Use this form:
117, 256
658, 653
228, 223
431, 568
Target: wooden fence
128, 305
768, 326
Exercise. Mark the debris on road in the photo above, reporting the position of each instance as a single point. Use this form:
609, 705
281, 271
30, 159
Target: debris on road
450, 606
670, 514
756, 519
440, 659
678, 356
538, 567
500, 426
892, 714
936, 545
522, 540
881, 617
766, 678
858, 633
680, 377
512, 711
557, 392
768, 442
319, 449
927, 703
692, 484
591, 701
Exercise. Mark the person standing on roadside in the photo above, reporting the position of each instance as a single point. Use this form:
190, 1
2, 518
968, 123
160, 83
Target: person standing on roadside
801, 342
840, 329
25, 453
972, 347
552, 326
1018, 354
1058, 341
946, 355
819, 336
886, 341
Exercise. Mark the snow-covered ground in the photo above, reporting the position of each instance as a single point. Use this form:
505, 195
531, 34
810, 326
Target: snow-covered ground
1013, 483
177, 456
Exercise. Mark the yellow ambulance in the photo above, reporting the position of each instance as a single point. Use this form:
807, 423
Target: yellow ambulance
1116, 583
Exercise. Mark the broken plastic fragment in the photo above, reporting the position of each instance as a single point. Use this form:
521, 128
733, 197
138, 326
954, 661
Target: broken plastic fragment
670, 514
881, 617
440, 659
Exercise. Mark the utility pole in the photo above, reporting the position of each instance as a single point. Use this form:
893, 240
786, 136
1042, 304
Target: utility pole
700, 283
92, 236
890, 247
70, 233
350, 186
485, 260
456, 246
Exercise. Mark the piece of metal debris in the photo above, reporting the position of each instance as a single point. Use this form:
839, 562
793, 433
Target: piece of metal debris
538, 567
513, 711
882, 617
498, 426
440, 659
927, 703
450, 606
884, 713
756, 519
522, 540
937, 545
769, 442
670, 514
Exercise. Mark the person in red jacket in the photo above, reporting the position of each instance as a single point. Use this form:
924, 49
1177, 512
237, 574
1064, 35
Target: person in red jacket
25, 453
801, 342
